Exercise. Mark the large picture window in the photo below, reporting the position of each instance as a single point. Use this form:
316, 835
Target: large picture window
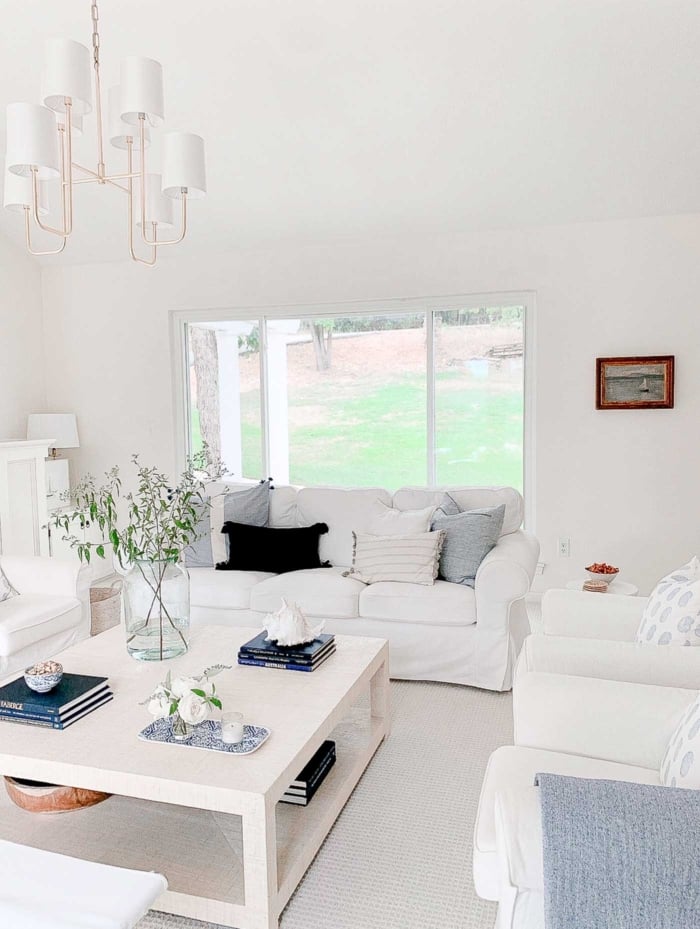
384, 398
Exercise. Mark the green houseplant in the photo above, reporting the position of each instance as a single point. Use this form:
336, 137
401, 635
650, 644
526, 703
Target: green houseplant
148, 529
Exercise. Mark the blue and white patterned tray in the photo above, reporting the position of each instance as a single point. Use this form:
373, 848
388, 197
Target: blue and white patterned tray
206, 735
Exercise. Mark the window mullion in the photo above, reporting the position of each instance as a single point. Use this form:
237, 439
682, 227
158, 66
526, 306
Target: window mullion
264, 396
430, 398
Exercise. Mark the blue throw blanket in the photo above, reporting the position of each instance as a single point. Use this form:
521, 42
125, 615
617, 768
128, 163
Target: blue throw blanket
618, 855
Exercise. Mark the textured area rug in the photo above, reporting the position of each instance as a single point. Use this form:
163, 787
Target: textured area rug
399, 855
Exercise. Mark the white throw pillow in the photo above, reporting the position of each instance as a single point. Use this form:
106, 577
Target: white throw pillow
413, 559
390, 521
6, 588
681, 763
672, 613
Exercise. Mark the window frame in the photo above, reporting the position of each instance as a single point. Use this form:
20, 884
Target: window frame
180, 319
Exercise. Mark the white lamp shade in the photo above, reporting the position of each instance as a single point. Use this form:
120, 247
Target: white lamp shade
17, 193
141, 82
66, 74
76, 123
159, 208
32, 140
118, 129
183, 165
60, 428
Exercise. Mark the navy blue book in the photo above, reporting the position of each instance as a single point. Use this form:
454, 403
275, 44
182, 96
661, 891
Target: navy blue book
59, 722
294, 654
283, 665
73, 689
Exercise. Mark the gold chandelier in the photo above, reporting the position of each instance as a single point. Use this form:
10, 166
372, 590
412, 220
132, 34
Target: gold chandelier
40, 147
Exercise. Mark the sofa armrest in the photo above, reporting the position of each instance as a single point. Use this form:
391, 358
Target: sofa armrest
612, 720
590, 615
505, 575
615, 661
50, 576
503, 579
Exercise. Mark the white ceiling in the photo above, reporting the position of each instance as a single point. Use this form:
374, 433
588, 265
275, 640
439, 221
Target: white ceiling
350, 118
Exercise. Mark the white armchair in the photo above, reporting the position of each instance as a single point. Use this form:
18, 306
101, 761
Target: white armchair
51, 612
571, 725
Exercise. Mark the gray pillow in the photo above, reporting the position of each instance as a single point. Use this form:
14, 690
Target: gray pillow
448, 506
250, 506
469, 537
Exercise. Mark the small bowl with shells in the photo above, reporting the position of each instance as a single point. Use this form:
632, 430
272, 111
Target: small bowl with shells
43, 676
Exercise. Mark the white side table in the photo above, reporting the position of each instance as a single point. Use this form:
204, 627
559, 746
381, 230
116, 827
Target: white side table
622, 588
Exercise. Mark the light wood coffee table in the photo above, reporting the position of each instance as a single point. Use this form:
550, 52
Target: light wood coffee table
210, 822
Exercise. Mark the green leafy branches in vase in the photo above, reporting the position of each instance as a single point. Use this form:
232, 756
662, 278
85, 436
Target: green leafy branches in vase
148, 529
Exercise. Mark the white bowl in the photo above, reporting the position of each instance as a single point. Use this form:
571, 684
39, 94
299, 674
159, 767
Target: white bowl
608, 578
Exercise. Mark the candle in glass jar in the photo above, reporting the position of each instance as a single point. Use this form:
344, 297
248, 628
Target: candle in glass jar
232, 729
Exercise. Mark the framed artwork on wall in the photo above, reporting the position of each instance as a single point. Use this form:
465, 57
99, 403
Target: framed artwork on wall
635, 383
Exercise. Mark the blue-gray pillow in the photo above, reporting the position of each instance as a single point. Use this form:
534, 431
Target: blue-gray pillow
469, 537
250, 506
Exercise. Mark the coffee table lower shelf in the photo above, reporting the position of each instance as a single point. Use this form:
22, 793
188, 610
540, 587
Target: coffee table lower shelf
199, 851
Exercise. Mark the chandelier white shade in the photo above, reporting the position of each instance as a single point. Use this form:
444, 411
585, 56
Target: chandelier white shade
118, 132
32, 141
66, 74
40, 150
159, 208
183, 165
141, 82
17, 193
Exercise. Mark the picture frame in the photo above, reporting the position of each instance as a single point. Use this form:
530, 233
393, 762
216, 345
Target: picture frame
640, 382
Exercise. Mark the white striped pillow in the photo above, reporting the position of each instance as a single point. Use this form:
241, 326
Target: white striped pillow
414, 559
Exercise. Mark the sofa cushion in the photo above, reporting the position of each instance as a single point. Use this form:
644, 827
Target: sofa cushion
441, 604
246, 504
403, 558
469, 537
672, 612
345, 510
223, 590
265, 548
513, 766
320, 592
466, 498
30, 618
680, 766
392, 521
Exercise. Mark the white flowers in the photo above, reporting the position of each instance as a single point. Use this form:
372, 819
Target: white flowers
194, 709
192, 698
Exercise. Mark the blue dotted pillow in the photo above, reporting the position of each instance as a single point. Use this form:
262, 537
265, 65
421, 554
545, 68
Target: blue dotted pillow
672, 613
681, 763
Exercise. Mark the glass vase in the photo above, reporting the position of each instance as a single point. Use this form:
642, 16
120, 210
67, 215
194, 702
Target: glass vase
157, 610
181, 730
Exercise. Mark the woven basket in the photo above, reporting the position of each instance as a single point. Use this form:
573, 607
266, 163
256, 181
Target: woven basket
105, 608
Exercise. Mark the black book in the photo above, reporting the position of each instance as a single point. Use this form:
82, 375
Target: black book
292, 654
71, 690
314, 763
306, 798
313, 781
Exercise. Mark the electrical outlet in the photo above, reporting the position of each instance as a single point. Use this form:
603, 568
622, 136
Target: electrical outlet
564, 547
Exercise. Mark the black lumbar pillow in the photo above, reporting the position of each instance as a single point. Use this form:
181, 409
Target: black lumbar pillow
259, 548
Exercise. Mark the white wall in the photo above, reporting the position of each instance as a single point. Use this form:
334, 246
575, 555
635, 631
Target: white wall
22, 371
622, 485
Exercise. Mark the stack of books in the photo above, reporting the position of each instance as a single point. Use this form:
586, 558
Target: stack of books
263, 654
314, 774
74, 696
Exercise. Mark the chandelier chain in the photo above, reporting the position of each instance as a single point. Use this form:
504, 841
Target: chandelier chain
95, 34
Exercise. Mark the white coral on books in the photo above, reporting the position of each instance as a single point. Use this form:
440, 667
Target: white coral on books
289, 626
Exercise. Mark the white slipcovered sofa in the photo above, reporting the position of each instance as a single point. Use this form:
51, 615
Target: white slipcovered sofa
50, 613
445, 632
